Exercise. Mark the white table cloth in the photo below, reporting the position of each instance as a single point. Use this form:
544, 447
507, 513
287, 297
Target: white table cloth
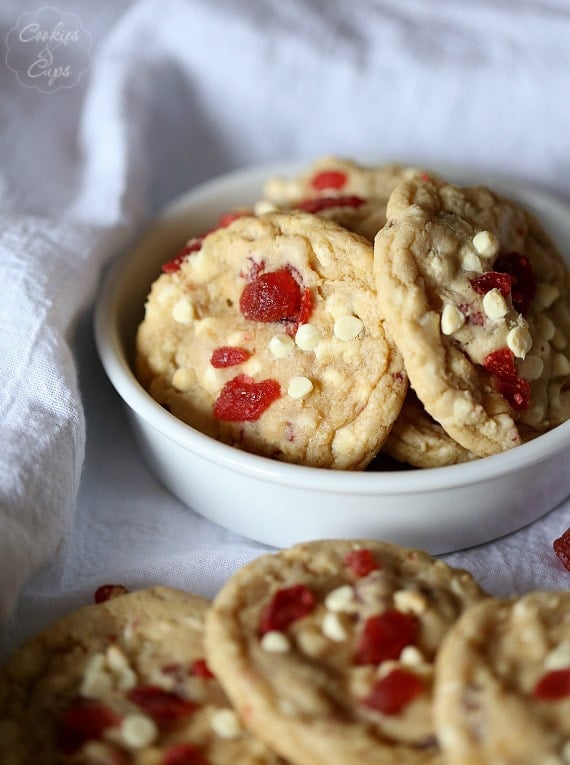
111, 109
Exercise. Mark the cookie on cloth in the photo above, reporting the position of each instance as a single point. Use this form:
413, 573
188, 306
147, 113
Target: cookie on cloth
352, 194
471, 289
269, 337
416, 438
502, 691
123, 682
326, 649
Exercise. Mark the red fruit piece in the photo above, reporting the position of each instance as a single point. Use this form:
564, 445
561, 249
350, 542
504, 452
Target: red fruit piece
562, 548
523, 283
228, 217
192, 246
553, 686
361, 562
243, 400
109, 591
317, 204
516, 390
274, 296
200, 668
329, 179
306, 308
384, 636
82, 723
229, 356
286, 606
162, 706
394, 691
183, 754
492, 280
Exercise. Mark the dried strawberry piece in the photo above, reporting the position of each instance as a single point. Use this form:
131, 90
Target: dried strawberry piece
229, 356
492, 280
501, 364
274, 296
184, 754
286, 606
306, 308
516, 390
174, 265
394, 691
228, 217
385, 635
317, 204
553, 686
361, 562
162, 706
244, 400
200, 668
329, 179
561, 547
81, 723
523, 282
109, 591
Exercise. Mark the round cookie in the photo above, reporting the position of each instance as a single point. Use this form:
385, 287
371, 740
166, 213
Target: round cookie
123, 682
269, 338
471, 289
420, 441
352, 194
502, 691
326, 649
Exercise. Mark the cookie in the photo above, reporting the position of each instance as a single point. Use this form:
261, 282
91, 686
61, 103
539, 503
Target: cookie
123, 682
326, 649
475, 295
269, 338
416, 438
352, 194
503, 683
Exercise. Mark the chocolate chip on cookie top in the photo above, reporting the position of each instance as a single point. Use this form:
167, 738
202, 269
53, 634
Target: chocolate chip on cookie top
327, 649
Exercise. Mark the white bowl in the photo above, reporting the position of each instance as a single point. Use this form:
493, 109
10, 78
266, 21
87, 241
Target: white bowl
439, 509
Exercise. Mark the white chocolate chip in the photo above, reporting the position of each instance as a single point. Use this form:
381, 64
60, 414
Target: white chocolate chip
116, 659
138, 731
333, 627
470, 261
559, 341
410, 601
452, 319
531, 368
308, 336
225, 724
96, 681
560, 366
486, 243
411, 656
558, 657
263, 206
275, 642
182, 379
533, 415
347, 327
299, 387
281, 346
494, 304
519, 341
545, 326
546, 294
340, 599
183, 311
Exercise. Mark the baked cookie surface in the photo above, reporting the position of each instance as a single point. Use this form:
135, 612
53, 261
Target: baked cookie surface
269, 338
503, 683
352, 194
326, 649
123, 682
475, 295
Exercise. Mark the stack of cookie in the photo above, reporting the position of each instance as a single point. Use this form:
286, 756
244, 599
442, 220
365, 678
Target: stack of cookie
357, 310
328, 652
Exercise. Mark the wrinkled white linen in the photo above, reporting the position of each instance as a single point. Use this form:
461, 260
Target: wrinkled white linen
171, 94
